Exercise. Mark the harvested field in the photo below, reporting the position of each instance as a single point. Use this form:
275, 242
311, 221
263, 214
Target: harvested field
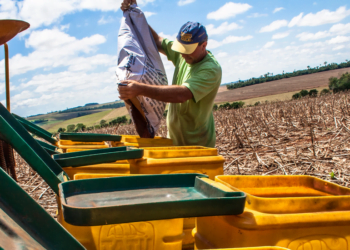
310, 136
277, 87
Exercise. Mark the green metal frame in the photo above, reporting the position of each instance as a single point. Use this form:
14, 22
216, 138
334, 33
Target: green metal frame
39, 159
52, 150
89, 137
193, 197
99, 157
36, 130
26, 224
83, 137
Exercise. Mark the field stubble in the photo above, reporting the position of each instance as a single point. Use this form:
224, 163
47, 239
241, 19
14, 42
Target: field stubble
310, 136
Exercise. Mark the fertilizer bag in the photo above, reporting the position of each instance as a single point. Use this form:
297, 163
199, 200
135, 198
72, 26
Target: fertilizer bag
139, 60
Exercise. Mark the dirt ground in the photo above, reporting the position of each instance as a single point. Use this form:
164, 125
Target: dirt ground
277, 87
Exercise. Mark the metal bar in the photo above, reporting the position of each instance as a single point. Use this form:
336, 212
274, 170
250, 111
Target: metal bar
7, 75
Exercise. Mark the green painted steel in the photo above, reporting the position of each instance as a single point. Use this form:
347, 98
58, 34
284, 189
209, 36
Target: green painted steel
99, 157
89, 152
30, 150
52, 150
87, 137
144, 198
24, 224
36, 130
35, 155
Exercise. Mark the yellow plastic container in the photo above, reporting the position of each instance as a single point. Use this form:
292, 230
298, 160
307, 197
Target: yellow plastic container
84, 176
254, 248
119, 167
146, 142
178, 152
209, 165
156, 235
297, 212
66, 145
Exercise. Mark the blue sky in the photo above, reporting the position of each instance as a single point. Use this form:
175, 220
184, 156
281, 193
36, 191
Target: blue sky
68, 56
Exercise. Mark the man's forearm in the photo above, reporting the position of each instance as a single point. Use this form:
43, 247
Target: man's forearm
172, 93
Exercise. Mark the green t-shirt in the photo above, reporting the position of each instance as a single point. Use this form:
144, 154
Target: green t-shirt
192, 122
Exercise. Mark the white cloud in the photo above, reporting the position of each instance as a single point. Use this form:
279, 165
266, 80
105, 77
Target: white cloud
222, 29
221, 55
149, 14
185, 2
306, 36
340, 29
256, 15
277, 9
44, 12
2, 87
339, 47
320, 18
269, 44
280, 35
213, 44
170, 37
51, 90
275, 25
54, 48
337, 29
105, 20
65, 27
339, 39
229, 10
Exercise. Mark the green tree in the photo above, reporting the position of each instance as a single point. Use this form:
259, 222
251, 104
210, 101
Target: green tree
237, 105
119, 120
304, 93
61, 130
333, 83
296, 96
80, 127
70, 128
97, 126
343, 83
103, 123
313, 92
324, 91
215, 107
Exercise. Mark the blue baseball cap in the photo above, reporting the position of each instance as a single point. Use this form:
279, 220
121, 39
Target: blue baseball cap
190, 35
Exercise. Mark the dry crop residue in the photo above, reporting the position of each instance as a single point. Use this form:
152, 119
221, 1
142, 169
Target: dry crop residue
310, 136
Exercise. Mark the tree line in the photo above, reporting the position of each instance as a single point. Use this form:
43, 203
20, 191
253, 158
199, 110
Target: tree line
103, 123
268, 77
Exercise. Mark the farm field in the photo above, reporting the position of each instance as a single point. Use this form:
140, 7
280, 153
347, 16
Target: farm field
278, 97
310, 136
90, 120
277, 87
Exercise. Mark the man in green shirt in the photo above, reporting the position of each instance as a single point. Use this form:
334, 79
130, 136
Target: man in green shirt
196, 80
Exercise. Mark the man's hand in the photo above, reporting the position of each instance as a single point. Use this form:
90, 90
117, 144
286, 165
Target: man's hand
126, 4
131, 90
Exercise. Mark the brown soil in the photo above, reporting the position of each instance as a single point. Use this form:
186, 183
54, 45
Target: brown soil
278, 87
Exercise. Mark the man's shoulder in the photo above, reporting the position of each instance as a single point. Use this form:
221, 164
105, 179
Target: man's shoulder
210, 64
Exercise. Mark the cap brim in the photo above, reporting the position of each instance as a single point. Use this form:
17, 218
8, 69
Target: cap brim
184, 48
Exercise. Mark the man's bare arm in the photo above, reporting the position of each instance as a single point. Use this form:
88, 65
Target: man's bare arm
158, 40
172, 93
